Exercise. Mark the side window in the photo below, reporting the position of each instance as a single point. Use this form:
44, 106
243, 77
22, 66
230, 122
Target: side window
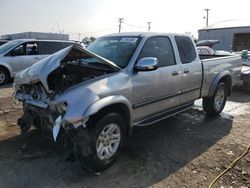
161, 48
52, 47
199, 52
31, 48
186, 49
18, 51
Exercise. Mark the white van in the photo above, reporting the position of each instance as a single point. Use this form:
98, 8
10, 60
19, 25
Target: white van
19, 54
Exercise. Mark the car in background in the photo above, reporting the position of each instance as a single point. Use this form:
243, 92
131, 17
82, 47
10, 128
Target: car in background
3, 42
205, 52
17, 55
209, 43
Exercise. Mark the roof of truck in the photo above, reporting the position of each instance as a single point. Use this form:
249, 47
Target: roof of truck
140, 34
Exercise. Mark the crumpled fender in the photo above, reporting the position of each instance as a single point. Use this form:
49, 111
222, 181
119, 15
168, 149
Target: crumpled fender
78, 100
107, 101
82, 103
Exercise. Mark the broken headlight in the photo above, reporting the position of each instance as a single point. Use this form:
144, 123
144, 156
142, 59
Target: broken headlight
61, 108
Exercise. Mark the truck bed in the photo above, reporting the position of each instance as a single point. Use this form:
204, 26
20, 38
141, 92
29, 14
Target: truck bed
212, 67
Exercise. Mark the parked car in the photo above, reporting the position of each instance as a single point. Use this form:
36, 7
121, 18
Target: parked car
3, 42
209, 43
19, 54
206, 52
95, 96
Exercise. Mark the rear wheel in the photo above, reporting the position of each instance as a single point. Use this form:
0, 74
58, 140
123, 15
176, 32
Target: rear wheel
98, 149
4, 76
215, 104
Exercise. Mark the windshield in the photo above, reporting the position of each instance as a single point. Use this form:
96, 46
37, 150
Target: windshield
119, 50
5, 47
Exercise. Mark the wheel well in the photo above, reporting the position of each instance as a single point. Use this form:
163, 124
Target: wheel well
119, 108
1, 66
228, 81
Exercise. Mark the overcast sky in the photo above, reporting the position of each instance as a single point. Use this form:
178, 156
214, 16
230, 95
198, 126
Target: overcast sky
98, 17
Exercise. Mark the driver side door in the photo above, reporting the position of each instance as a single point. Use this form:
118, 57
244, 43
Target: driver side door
159, 90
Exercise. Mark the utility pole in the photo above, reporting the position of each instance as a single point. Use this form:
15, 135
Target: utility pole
120, 20
149, 27
207, 11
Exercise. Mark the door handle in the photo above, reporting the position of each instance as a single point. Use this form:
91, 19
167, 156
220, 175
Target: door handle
186, 71
175, 73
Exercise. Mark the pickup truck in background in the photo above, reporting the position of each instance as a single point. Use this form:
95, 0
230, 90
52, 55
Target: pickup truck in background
94, 96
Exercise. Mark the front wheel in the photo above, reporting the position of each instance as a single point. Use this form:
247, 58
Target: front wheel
215, 104
99, 147
4, 76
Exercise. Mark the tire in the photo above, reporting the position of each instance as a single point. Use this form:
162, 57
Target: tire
215, 104
4, 76
86, 148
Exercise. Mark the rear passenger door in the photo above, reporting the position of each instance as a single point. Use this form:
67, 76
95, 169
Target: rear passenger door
191, 69
160, 89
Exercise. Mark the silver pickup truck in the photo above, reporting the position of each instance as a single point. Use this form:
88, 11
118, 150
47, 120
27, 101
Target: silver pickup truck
95, 96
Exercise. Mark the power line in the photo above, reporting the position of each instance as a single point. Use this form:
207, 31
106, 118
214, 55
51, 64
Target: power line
139, 27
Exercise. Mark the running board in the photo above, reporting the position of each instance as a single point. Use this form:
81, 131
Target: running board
163, 115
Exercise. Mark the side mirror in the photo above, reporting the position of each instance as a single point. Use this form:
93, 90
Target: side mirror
147, 64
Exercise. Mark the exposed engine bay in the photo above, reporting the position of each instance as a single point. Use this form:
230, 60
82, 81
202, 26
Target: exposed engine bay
73, 73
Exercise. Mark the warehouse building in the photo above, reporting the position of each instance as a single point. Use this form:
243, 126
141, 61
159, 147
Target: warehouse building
233, 35
36, 35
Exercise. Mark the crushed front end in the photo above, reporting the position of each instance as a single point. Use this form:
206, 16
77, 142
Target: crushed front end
57, 94
54, 93
40, 109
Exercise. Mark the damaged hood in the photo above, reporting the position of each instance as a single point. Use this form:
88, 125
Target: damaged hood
40, 70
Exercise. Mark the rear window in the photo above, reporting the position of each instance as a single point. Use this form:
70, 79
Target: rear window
186, 49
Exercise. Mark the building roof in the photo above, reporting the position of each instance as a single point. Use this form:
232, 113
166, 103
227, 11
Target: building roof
228, 24
38, 35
